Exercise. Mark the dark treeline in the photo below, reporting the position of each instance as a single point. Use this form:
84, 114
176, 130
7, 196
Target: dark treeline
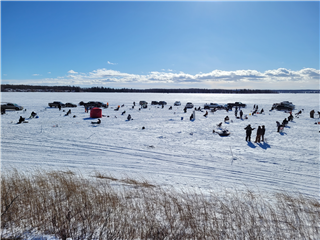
175, 90
32, 88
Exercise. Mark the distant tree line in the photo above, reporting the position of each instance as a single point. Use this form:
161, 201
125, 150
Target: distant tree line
177, 90
33, 88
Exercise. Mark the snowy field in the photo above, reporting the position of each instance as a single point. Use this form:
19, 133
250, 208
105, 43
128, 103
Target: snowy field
169, 151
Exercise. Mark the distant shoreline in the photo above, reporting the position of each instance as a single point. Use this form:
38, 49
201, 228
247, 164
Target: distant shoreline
33, 88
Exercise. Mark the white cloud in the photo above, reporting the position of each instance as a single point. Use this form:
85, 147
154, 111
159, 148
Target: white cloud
111, 63
36, 74
271, 79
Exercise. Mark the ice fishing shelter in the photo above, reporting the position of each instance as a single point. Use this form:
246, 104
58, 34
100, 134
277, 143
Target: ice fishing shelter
95, 112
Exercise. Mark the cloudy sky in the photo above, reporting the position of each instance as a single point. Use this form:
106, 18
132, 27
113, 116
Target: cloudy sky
256, 45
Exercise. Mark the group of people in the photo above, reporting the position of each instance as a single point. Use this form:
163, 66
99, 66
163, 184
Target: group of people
260, 133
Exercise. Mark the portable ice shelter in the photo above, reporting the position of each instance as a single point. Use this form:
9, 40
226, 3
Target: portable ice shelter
95, 112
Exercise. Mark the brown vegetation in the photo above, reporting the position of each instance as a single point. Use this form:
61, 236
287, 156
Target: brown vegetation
68, 205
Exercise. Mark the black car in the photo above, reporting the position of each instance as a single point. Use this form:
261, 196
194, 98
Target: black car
70, 105
162, 103
154, 103
56, 104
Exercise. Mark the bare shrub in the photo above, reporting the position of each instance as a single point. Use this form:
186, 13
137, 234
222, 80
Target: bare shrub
68, 205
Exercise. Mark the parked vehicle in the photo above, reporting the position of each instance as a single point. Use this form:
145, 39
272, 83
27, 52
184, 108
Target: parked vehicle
285, 105
162, 103
154, 103
102, 104
11, 106
189, 105
95, 104
177, 103
143, 103
236, 104
70, 105
212, 105
56, 104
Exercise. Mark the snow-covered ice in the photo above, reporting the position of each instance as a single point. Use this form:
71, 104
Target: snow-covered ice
169, 151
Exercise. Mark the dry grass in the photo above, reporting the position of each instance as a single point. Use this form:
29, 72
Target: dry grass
68, 205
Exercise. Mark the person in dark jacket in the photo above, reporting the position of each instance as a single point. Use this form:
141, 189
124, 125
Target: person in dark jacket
241, 114
21, 119
185, 109
129, 117
259, 133
248, 132
33, 114
263, 131
312, 114
206, 114
278, 126
285, 122
226, 119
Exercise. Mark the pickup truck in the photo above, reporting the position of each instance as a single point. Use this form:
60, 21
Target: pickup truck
236, 104
56, 104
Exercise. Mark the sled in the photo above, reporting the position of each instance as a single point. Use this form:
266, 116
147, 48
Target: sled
224, 133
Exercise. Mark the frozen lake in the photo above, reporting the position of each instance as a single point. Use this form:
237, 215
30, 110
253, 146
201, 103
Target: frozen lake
169, 151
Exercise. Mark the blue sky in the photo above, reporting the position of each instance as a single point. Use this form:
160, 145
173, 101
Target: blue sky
267, 45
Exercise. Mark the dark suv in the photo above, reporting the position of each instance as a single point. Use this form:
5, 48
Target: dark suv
95, 104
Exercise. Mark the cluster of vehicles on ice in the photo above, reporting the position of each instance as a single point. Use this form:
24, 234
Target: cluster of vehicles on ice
285, 105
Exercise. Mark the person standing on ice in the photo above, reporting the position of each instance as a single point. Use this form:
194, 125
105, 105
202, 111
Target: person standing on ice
185, 109
259, 133
290, 118
248, 132
312, 114
278, 126
241, 114
263, 131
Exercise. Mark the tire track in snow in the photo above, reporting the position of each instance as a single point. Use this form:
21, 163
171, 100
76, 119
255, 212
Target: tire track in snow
226, 172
